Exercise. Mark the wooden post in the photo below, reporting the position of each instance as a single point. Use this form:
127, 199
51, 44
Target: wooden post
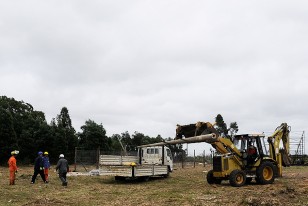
97, 157
75, 162
194, 158
203, 158
183, 159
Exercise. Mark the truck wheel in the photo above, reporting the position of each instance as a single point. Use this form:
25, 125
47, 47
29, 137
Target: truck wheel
237, 178
211, 179
169, 169
266, 173
146, 178
166, 175
119, 178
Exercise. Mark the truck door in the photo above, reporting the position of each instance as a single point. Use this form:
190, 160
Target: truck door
168, 158
151, 155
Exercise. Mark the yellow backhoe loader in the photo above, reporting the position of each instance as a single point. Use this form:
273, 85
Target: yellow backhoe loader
242, 159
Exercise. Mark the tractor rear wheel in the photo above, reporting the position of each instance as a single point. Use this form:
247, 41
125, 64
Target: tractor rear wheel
266, 173
211, 179
237, 178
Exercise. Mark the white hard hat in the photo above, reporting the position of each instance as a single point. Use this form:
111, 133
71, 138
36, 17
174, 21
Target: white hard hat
61, 156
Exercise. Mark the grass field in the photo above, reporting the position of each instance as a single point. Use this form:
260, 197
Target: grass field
184, 187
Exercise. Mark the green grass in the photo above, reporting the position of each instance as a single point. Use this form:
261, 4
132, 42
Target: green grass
184, 187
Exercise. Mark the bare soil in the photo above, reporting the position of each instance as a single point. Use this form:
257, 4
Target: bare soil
185, 186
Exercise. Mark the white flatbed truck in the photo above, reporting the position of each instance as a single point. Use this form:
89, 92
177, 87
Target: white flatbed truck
150, 161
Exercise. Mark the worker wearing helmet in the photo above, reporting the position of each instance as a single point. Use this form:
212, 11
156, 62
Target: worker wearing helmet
63, 168
38, 168
46, 165
13, 166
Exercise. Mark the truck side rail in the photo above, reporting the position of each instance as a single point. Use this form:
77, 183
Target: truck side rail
117, 160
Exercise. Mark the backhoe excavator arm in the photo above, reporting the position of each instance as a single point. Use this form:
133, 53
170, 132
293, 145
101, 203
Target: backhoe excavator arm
280, 155
281, 133
202, 132
221, 144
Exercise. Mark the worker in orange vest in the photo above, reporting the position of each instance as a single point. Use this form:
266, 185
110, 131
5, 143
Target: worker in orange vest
13, 166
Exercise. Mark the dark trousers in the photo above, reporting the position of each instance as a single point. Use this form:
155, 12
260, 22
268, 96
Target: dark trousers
36, 172
62, 176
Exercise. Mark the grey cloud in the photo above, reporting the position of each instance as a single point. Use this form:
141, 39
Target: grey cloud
147, 65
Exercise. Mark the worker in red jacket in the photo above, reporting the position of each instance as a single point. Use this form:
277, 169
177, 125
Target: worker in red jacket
13, 166
46, 164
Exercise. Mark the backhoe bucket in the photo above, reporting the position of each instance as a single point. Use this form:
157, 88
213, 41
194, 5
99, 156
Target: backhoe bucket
286, 160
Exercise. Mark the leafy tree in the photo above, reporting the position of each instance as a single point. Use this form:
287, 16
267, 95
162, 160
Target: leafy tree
22, 128
65, 135
93, 135
158, 138
233, 129
138, 139
177, 150
221, 126
8, 139
127, 141
222, 129
141, 139
115, 143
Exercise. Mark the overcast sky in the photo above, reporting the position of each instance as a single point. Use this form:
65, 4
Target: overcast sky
148, 65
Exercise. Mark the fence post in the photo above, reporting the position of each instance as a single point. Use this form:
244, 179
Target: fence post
183, 154
194, 158
97, 157
75, 162
203, 158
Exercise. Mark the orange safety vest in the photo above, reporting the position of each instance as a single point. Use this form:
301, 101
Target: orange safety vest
12, 164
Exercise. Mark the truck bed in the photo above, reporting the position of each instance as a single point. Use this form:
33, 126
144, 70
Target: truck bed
134, 171
117, 160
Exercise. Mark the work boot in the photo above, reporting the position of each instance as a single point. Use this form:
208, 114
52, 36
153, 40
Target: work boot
64, 184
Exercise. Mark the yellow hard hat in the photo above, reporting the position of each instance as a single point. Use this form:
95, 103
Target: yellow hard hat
15, 152
45, 153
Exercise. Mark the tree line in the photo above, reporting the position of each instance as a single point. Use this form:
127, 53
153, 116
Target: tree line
25, 129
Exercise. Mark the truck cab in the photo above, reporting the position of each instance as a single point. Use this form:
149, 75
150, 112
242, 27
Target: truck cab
156, 155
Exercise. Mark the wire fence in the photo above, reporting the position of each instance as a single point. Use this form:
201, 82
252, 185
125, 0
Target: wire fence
87, 160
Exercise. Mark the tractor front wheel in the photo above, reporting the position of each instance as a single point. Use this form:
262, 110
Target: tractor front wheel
237, 178
266, 173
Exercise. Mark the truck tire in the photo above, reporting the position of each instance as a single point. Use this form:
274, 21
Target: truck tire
211, 179
166, 175
237, 178
145, 178
119, 178
266, 173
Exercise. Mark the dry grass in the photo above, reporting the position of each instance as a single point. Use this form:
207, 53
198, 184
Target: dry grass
184, 187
